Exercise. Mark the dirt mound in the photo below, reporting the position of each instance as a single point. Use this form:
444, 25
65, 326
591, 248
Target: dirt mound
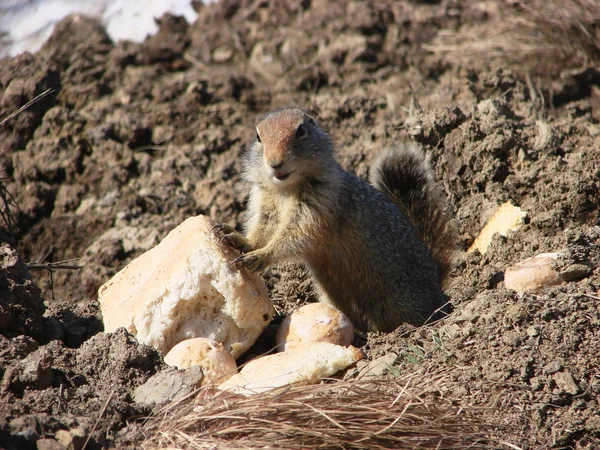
131, 139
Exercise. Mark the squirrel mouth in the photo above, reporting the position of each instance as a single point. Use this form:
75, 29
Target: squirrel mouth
282, 176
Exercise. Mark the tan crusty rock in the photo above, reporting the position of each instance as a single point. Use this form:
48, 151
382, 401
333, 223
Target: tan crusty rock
187, 287
217, 363
315, 322
302, 364
533, 274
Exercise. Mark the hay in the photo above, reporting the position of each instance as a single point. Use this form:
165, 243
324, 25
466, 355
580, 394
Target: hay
558, 33
366, 414
6, 214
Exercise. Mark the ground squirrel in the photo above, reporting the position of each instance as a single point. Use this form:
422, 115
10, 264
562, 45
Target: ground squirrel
378, 252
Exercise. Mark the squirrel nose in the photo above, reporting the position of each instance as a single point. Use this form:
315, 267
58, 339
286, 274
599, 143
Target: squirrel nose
276, 165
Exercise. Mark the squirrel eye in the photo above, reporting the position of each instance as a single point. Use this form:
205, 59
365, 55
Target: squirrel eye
258, 137
300, 131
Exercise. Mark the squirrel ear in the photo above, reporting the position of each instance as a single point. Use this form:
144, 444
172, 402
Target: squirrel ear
311, 119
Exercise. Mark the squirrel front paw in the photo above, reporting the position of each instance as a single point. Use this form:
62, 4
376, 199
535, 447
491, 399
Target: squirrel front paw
232, 238
252, 261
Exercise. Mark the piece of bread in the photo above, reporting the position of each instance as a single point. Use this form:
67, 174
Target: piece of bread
507, 217
302, 364
315, 322
187, 287
533, 274
217, 364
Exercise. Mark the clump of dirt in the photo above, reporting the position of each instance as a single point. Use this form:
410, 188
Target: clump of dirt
132, 139
53, 387
21, 307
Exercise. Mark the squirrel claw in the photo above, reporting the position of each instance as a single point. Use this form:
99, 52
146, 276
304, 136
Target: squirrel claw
231, 238
250, 261
223, 228
236, 241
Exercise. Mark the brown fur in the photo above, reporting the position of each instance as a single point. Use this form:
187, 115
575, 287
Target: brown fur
360, 244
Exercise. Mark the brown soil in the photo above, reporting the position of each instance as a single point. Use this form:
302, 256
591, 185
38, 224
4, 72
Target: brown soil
134, 138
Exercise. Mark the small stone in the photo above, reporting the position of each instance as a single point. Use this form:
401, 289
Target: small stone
533, 274
553, 367
29, 434
32, 372
576, 272
169, 385
222, 54
536, 383
533, 331
48, 444
511, 338
379, 366
73, 439
566, 383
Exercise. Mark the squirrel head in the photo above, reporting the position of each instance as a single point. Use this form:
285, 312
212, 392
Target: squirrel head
290, 148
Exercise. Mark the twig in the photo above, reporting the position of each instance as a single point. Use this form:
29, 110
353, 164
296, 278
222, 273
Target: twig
55, 265
195, 61
28, 104
98, 419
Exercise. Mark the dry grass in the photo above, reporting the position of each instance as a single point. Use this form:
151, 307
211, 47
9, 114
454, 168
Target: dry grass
5, 212
546, 35
369, 414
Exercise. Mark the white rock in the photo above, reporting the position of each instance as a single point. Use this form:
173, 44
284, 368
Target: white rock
316, 322
533, 274
302, 364
187, 287
217, 363
506, 218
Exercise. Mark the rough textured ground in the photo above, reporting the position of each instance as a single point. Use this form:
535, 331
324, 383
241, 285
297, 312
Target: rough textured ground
134, 138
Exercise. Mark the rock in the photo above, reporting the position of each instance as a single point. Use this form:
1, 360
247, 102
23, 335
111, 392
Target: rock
315, 322
379, 366
533, 274
49, 444
302, 364
566, 383
506, 218
553, 367
169, 385
187, 287
32, 372
73, 439
28, 428
576, 272
217, 364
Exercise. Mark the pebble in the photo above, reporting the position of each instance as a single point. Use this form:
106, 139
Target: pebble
169, 384
576, 272
566, 383
73, 439
553, 367
48, 444
379, 366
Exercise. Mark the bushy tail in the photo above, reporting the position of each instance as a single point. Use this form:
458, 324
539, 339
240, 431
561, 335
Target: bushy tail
405, 174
